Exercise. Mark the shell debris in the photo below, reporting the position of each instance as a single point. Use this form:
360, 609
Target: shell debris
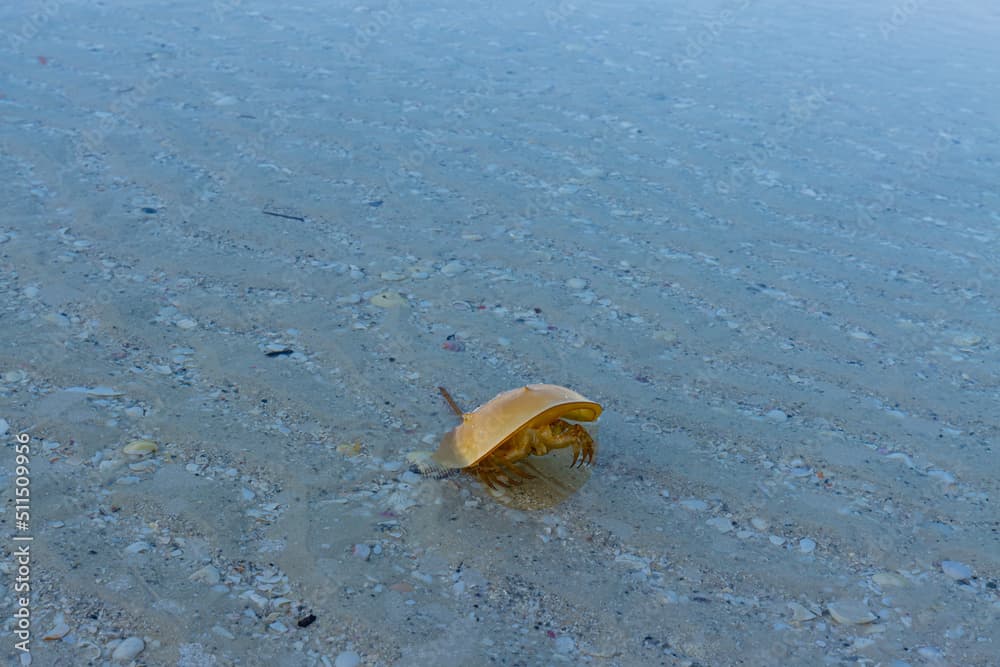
349, 448
138, 448
388, 299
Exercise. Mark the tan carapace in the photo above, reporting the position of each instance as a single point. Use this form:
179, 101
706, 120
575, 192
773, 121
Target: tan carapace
530, 420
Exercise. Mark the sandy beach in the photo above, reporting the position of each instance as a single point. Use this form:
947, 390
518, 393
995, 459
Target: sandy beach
243, 243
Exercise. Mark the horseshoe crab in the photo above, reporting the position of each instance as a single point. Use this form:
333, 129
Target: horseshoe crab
530, 420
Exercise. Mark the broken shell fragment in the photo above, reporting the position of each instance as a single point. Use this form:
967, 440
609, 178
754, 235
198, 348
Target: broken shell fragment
60, 629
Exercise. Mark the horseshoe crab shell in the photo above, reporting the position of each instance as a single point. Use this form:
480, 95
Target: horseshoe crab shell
488, 426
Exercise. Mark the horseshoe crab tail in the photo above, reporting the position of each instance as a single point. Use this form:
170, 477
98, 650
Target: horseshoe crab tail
451, 401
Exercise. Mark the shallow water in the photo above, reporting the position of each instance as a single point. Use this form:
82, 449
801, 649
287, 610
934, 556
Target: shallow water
763, 235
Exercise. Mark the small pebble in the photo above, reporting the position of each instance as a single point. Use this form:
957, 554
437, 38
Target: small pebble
128, 649
665, 336
850, 613
138, 448
884, 579
388, 300
137, 548
362, 551
966, 340
721, 524
776, 415
576, 283
58, 319
694, 504
4, 426
565, 645
931, 653
942, 476
776, 540
956, 632
955, 570
759, 523
901, 457
806, 545
187, 323
207, 575
347, 659
453, 268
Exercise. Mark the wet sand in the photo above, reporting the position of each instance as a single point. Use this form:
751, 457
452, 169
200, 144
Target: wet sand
260, 235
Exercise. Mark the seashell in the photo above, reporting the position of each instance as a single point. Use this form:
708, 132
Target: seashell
800, 613
388, 300
349, 449
140, 448
207, 575
128, 649
59, 630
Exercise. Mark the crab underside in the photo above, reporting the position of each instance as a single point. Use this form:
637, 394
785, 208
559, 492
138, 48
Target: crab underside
501, 466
